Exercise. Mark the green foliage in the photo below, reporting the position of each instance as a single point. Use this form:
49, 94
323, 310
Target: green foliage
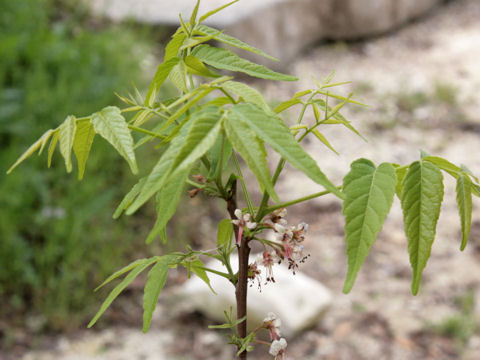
157, 277
201, 136
369, 193
464, 202
56, 59
136, 270
158, 176
249, 146
205, 127
226, 60
422, 195
111, 125
82, 144
224, 233
461, 325
445, 93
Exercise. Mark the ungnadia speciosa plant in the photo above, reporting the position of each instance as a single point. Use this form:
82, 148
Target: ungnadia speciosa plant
200, 136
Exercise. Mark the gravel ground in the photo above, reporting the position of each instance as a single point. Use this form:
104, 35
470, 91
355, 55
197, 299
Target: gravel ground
421, 84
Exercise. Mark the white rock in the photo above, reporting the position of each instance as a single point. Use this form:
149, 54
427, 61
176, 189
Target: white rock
281, 28
298, 300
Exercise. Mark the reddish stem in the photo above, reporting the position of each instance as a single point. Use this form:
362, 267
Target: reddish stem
242, 281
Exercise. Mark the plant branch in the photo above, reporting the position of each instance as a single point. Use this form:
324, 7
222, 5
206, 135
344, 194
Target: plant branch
146, 132
242, 182
299, 200
281, 163
225, 275
241, 287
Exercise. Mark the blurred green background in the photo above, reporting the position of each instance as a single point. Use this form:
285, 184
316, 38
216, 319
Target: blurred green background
57, 236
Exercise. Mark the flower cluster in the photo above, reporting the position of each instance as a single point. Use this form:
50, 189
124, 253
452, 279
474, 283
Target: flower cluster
278, 347
243, 221
290, 239
254, 273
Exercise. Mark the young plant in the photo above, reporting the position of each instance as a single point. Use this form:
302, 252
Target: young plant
212, 124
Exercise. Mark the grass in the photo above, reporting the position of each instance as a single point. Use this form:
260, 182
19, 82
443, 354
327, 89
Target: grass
58, 240
461, 326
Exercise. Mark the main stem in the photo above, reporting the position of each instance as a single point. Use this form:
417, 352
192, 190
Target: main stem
242, 281
241, 290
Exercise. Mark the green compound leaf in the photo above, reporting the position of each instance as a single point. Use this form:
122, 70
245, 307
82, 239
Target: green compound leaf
37, 145
219, 155
111, 125
66, 136
275, 132
369, 193
157, 177
195, 41
82, 144
230, 40
214, 11
127, 199
323, 139
226, 60
120, 287
464, 202
197, 67
204, 130
51, 148
422, 195
401, 171
252, 150
224, 232
122, 271
193, 17
178, 76
248, 94
161, 75
157, 276
287, 104
444, 165
167, 201
198, 269
174, 45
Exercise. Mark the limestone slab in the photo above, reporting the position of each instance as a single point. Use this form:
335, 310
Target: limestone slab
282, 28
298, 300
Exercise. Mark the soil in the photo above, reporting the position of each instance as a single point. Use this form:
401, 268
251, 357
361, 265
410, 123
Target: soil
422, 84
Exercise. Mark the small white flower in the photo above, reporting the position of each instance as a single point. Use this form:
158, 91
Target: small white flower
268, 259
272, 323
251, 225
277, 348
282, 233
280, 212
302, 226
276, 217
270, 316
299, 231
297, 252
244, 220
238, 213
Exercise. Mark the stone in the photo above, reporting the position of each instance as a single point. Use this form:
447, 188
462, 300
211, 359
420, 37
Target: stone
298, 300
282, 28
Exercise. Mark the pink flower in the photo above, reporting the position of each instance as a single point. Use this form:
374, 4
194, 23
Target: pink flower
272, 324
268, 259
